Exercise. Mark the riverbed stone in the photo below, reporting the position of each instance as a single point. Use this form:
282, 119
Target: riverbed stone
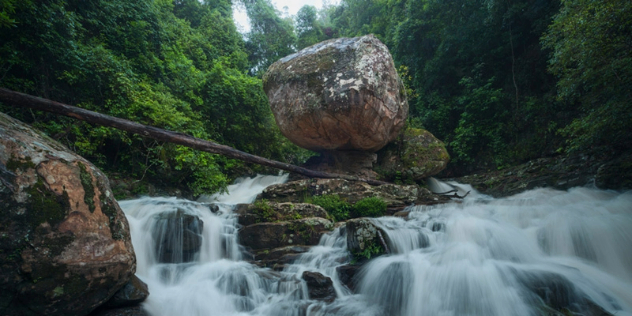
319, 287
131, 294
65, 244
306, 231
341, 94
365, 240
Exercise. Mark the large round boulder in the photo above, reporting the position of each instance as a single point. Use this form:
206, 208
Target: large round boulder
65, 246
341, 94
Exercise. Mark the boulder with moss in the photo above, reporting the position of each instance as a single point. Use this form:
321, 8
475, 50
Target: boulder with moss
395, 196
365, 240
265, 211
65, 245
341, 94
414, 156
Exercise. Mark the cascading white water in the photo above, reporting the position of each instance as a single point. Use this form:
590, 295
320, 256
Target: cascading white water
492, 257
514, 256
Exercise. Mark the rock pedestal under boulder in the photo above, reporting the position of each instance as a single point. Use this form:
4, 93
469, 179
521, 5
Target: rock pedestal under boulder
341, 94
65, 246
356, 163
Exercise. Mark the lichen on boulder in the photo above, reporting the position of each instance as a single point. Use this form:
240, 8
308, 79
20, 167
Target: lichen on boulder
65, 245
341, 94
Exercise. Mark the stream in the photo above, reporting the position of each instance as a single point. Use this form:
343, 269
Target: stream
481, 256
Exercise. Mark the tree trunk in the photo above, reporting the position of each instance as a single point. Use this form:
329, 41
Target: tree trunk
28, 101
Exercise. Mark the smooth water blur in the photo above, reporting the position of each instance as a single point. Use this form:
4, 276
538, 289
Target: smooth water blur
491, 256
476, 257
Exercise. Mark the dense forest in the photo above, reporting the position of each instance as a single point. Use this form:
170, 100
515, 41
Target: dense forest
500, 82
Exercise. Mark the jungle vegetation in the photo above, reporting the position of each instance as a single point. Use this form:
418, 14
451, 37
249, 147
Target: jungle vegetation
500, 82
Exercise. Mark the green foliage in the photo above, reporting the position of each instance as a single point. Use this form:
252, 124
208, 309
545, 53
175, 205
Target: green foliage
370, 250
7, 9
369, 207
592, 57
482, 122
336, 207
270, 38
180, 66
264, 211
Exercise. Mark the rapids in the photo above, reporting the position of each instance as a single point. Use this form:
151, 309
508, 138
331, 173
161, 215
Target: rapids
519, 255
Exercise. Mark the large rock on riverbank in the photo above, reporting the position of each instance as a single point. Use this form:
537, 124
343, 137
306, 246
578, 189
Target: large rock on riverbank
341, 94
414, 156
65, 245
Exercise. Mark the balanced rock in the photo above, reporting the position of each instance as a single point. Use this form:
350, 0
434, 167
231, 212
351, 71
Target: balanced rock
343, 94
65, 246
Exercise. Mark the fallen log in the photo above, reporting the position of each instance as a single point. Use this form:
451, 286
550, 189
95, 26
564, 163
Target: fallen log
29, 101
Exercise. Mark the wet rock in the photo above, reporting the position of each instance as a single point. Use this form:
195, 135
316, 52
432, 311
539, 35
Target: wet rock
341, 94
351, 191
615, 174
178, 236
347, 276
279, 257
365, 240
133, 293
305, 231
414, 156
319, 287
264, 211
561, 172
556, 292
65, 245
121, 311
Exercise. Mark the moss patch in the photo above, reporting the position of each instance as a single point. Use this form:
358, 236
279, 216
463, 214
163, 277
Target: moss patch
110, 211
15, 164
88, 188
46, 206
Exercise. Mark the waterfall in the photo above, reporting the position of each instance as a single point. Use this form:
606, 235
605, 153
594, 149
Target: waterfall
521, 255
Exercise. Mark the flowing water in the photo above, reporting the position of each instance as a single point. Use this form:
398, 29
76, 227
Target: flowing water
519, 255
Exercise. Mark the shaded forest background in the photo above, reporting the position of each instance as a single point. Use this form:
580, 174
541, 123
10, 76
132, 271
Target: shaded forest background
500, 82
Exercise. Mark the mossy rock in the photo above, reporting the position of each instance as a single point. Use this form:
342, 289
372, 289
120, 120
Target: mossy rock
65, 245
415, 155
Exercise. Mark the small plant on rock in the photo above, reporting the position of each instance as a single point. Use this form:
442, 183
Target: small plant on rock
336, 207
369, 207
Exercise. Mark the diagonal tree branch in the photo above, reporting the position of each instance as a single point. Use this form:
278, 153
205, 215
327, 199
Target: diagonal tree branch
28, 101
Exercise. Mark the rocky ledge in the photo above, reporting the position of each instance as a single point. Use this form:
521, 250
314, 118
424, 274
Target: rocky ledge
604, 170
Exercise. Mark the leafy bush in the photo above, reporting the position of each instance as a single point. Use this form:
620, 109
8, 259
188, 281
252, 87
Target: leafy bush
369, 207
336, 207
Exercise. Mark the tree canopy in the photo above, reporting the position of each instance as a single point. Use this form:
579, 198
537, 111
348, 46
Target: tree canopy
500, 82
